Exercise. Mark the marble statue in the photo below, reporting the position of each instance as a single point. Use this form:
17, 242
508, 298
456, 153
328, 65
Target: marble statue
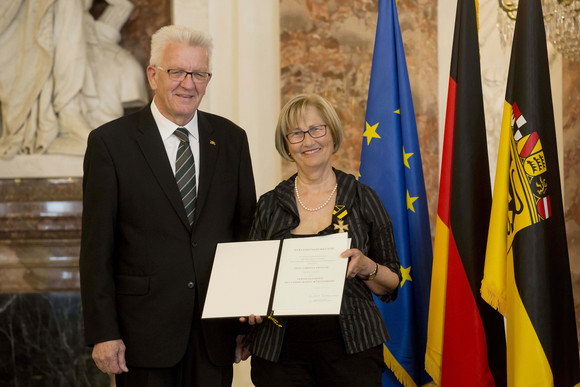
62, 73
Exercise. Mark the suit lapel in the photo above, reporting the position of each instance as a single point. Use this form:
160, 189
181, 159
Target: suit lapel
208, 151
154, 151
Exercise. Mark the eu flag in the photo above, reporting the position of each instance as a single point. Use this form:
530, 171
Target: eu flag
391, 164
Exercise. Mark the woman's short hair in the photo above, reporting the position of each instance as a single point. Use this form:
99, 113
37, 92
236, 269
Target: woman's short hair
178, 34
295, 110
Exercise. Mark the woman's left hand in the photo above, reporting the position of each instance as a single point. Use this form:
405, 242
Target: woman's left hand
359, 264
384, 280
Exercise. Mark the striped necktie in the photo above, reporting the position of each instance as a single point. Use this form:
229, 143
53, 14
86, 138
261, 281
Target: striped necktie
185, 172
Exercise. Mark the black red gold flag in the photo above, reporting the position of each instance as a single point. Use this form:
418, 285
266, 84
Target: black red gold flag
466, 340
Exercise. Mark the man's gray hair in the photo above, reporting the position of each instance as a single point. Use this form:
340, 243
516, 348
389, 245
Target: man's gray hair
178, 34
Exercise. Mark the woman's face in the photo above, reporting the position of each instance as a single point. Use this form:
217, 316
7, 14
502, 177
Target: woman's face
312, 153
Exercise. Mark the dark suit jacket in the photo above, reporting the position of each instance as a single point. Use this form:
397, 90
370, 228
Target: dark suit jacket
142, 266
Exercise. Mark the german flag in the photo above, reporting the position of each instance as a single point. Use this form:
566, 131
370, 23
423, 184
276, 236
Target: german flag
527, 269
466, 340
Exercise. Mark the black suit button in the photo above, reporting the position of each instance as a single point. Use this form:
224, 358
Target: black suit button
190, 285
194, 244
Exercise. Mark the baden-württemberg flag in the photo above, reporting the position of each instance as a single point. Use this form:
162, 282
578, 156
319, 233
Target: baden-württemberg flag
527, 272
466, 340
391, 164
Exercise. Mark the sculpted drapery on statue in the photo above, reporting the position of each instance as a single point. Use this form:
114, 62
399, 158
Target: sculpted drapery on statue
62, 73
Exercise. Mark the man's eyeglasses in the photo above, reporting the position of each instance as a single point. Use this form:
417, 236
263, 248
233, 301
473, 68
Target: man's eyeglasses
179, 75
297, 136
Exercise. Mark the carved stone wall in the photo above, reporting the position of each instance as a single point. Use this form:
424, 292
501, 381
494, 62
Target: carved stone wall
41, 335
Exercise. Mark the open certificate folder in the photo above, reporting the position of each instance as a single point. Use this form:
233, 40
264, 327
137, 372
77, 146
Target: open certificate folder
298, 276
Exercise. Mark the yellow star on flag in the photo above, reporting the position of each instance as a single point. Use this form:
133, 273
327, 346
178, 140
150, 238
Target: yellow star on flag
398, 111
371, 132
406, 157
406, 274
410, 201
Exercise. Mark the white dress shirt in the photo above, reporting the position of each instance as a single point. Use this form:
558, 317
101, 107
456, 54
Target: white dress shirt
171, 142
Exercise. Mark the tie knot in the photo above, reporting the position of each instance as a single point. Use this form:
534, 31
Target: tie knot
182, 134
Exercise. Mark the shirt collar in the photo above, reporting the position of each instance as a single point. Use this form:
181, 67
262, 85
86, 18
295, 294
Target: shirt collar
166, 127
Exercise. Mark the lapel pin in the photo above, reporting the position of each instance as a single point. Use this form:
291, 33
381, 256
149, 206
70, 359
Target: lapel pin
212, 142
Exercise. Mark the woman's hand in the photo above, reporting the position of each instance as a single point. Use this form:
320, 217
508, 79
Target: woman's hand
384, 280
359, 264
252, 319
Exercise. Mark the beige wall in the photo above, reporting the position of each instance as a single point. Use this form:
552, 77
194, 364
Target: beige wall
245, 84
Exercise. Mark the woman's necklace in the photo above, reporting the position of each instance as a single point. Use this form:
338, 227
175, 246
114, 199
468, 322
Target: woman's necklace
312, 209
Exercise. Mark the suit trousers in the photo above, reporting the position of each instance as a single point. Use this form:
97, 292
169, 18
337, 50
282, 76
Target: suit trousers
193, 370
320, 364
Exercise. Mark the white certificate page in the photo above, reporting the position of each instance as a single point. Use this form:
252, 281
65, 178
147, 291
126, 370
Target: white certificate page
241, 279
311, 275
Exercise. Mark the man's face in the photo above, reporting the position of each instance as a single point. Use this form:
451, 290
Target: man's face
178, 101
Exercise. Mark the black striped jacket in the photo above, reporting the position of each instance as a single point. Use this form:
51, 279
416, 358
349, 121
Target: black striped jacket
371, 231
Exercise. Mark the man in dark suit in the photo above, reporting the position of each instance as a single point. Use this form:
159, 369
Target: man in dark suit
151, 222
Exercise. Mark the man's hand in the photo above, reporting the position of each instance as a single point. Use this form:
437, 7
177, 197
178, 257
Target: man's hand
242, 352
109, 356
